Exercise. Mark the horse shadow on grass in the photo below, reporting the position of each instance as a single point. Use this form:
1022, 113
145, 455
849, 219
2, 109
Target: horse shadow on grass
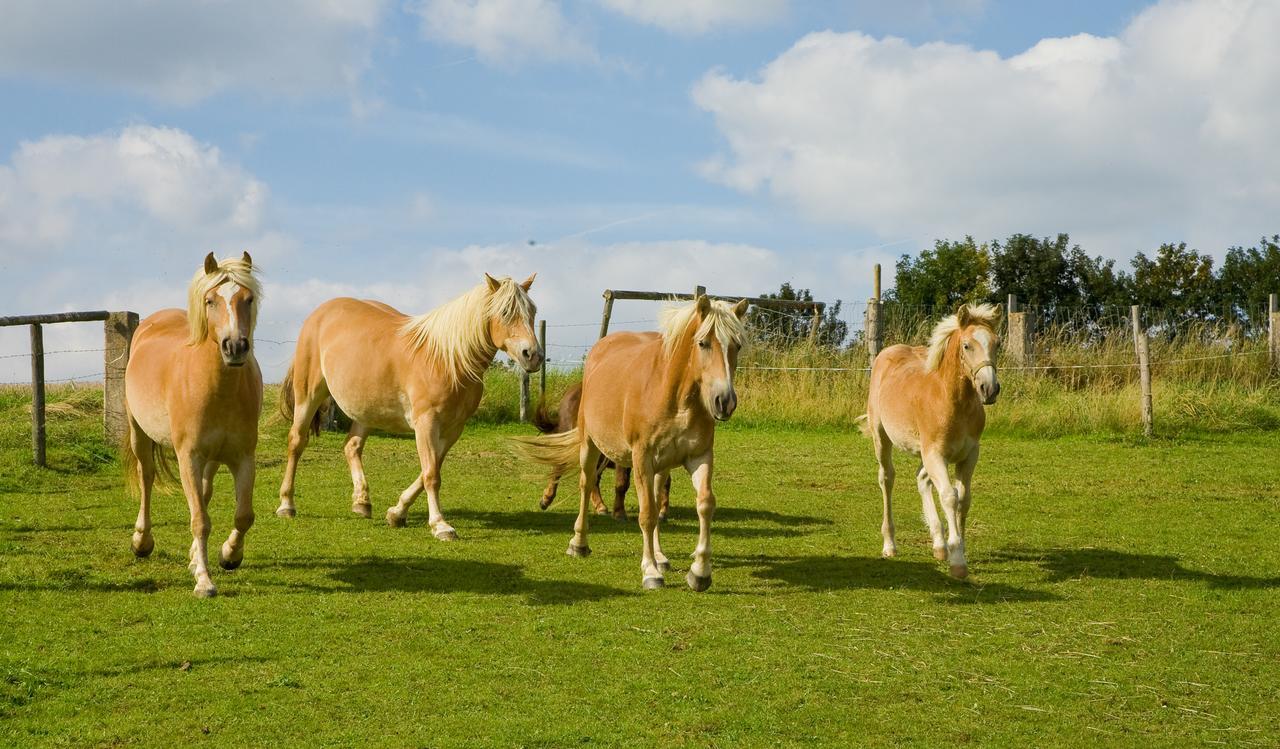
1110, 564
821, 574
729, 522
434, 575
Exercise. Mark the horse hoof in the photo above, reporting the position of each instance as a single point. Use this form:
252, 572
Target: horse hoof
889, 553
544, 504
653, 583
363, 509
230, 564
621, 517
697, 584
446, 534
940, 553
959, 571
202, 592
395, 520
143, 545
582, 552
286, 512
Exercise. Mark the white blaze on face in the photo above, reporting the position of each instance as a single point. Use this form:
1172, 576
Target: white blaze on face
228, 291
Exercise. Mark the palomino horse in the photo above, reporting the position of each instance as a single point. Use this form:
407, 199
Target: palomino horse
566, 419
650, 401
192, 382
422, 375
929, 401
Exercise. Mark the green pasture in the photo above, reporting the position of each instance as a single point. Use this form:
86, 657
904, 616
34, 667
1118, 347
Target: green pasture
1124, 593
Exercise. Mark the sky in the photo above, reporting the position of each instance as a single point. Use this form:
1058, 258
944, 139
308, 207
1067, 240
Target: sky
399, 150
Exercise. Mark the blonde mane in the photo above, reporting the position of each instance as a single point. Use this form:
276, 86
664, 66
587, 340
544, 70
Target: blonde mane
234, 270
457, 333
974, 314
720, 319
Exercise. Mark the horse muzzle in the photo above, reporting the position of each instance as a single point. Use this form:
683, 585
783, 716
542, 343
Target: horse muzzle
528, 356
235, 351
723, 406
987, 390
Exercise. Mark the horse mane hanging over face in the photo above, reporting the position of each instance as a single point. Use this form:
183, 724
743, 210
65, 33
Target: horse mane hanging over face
987, 315
457, 333
720, 320
230, 270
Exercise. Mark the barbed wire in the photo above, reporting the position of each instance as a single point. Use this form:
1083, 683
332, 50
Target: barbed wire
62, 351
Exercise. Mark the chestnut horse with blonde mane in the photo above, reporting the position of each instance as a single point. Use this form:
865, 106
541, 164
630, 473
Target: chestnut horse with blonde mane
192, 382
650, 401
929, 401
419, 375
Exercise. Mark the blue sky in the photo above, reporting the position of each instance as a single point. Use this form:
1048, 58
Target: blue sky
396, 150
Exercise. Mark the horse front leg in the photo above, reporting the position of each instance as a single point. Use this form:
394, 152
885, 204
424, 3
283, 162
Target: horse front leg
549, 494
643, 473
936, 466
354, 451
699, 577
433, 444
243, 473
930, 512
192, 469
884, 458
590, 464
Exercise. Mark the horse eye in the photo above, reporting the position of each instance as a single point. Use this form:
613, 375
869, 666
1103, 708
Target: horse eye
209, 302
704, 344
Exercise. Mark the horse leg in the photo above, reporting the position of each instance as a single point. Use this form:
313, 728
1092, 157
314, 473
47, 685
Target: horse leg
621, 483
142, 446
964, 478
664, 496
305, 406
663, 563
244, 474
930, 511
433, 444
884, 457
936, 466
192, 468
589, 467
354, 450
549, 494
699, 577
643, 473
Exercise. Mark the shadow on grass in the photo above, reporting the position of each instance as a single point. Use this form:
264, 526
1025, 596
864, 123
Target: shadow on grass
831, 573
729, 521
1070, 564
77, 582
431, 575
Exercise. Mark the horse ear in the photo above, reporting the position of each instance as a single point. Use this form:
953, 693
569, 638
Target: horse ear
704, 304
740, 309
962, 314
494, 284
247, 260
525, 284
210, 264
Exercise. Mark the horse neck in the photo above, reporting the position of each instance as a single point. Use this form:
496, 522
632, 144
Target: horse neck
679, 380
951, 372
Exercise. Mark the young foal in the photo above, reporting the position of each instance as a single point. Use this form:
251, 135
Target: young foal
929, 401
650, 401
192, 382
422, 375
566, 419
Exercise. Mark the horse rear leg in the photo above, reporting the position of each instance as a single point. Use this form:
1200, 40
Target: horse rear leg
930, 512
143, 449
663, 563
884, 457
244, 474
621, 483
354, 450
664, 495
936, 466
590, 464
699, 577
307, 399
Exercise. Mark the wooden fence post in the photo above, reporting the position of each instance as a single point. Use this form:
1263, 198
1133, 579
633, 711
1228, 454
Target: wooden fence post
1018, 336
524, 395
37, 394
1273, 331
118, 335
608, 311
698, 291
542, 341
872, 328
1144, 367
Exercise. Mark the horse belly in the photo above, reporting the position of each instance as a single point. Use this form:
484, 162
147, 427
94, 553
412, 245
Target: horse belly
388, 410
903, 439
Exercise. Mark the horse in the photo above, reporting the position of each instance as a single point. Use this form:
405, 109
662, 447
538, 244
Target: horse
930, 401
650, 401
420, 375
192, 382
567, 415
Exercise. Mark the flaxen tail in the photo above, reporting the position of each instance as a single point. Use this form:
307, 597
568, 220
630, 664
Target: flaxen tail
287, 404
864, 425
542, 421
557, 451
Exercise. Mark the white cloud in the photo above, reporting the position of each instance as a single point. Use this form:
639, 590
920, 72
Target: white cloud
1166, 131
504, 32
186, 51
698, 16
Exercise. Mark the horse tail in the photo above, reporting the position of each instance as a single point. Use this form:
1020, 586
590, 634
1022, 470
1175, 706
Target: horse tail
557, 451
129, 459
542, 421
286, 395
864, 425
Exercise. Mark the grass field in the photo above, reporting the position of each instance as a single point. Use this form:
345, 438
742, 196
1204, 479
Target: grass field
1124, 593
